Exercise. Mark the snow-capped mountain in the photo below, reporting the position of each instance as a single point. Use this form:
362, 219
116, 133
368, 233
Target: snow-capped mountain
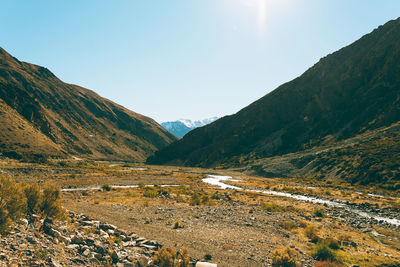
182, 126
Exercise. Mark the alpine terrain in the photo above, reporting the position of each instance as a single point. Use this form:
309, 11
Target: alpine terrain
340, 119
42, 116
181, 127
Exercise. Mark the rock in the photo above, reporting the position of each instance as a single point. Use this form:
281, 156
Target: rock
31, 240
73, 246
129, 244
53, 263
77, 239
86, 253
205, 264
142, 261
89, 241
114, 257
106, 226
110, 232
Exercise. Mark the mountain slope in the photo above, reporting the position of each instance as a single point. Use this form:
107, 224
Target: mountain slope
181, 127
349, 92
68, 119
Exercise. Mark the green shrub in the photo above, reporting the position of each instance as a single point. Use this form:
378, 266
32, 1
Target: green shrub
332, 243
34, 198
325, 264
285, 257
319, 213
272, 206
195, 199
312, 233
322, 252
106, 187
150, 192
51, 204
12, 202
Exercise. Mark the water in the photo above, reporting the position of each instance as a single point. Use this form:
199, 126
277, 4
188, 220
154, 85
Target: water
218, 180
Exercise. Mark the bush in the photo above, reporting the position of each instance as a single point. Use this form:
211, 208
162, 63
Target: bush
319, 213
272, 206
168, 257
323, 252
325, 264
312, 233
285, 257
34, 198
51, 205
150, 192
332, 243
178, 224
12, 202
18, 200
288, 225
106, 187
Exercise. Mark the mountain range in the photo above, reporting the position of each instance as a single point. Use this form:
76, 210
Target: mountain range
341, 116
42, 116
181, 127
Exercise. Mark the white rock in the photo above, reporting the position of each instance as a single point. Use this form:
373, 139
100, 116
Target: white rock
205, 264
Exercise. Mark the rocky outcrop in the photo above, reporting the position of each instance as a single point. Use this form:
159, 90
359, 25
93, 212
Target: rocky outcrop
78, 241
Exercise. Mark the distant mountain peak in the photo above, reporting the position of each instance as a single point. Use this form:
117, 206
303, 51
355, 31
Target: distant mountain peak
182, 126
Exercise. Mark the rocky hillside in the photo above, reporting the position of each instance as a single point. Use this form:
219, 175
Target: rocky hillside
347, 93
181, 127
43, 116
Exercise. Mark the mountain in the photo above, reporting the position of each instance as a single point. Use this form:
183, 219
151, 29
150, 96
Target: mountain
349, 93
43, 116
181, 127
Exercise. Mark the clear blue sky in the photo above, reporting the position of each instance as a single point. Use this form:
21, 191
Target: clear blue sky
171, 59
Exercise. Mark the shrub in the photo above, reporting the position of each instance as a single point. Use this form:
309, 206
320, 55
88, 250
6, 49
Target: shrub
150, 192
168, 257
323, 252
51, 204
195, 199
272, 206
332, 243
12, 202
319, 213
312, 233
106, 187
34, 198
178, 224
285, 257
325, 264
288, 225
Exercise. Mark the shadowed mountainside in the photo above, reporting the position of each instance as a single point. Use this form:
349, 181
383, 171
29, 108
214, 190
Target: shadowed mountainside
347, 93
41, 115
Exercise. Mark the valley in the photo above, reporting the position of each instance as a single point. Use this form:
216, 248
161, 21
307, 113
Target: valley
231, 226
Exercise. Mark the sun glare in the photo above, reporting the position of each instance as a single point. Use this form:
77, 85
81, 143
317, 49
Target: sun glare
265, 10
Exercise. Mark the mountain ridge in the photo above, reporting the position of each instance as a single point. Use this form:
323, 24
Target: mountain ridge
351, 91
75, 119
182, 126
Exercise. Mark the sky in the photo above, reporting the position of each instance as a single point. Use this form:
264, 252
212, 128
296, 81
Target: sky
193, 59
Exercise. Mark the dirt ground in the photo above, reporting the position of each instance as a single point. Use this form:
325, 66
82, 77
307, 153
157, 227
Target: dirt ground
228, 227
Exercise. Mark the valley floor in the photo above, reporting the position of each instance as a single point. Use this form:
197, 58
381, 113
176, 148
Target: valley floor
225, 226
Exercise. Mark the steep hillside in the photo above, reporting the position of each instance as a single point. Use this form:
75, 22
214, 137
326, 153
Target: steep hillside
42, 115
349, 92
181, 127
